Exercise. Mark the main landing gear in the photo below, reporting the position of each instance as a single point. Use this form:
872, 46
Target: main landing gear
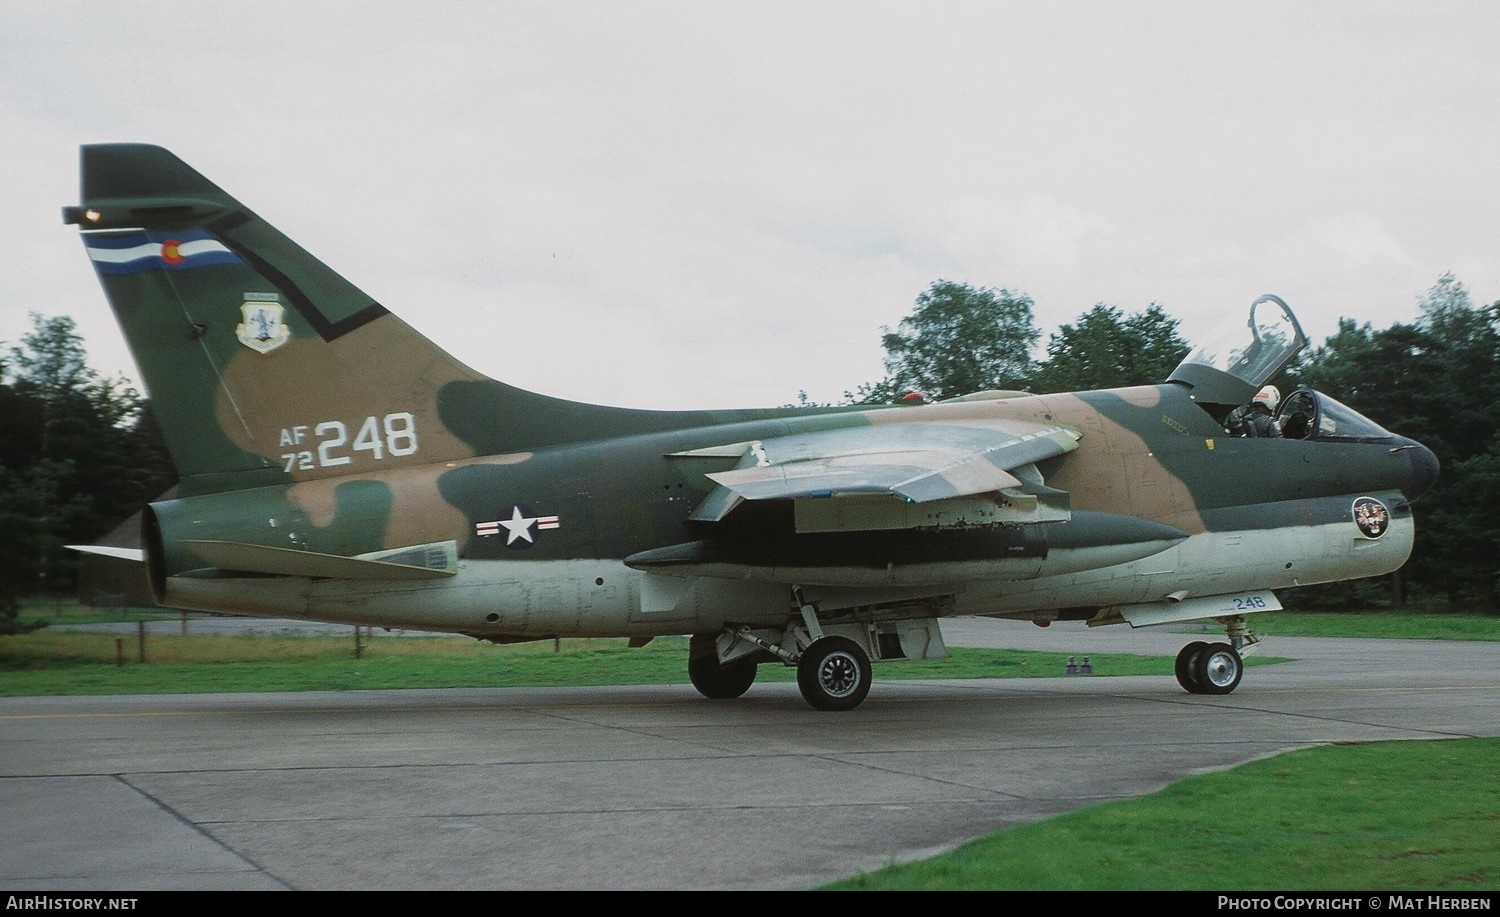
715, 681
834, 674
1216, 668
833, 671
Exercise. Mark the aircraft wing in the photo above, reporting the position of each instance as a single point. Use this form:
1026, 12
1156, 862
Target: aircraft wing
898, 475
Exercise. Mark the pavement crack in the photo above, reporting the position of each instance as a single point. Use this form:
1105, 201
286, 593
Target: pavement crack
199, 829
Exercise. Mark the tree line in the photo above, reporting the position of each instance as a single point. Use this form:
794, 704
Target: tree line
81, 453
960, 339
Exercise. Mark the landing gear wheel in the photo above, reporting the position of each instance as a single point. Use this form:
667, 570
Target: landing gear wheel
1218, 668
1185, 675
721, 682
834, 674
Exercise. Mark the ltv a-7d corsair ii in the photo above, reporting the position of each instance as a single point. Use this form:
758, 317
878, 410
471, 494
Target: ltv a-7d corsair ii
337, 466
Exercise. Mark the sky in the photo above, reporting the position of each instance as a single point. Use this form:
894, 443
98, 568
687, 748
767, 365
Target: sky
722, 204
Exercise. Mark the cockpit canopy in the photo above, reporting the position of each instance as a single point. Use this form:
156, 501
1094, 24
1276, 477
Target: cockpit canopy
1235, 361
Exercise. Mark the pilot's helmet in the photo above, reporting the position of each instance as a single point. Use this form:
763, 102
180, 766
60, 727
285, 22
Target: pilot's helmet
1270, 396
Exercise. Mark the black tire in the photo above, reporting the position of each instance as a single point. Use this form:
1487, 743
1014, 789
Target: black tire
1186, 676
834, 674
1218, 669
721, 682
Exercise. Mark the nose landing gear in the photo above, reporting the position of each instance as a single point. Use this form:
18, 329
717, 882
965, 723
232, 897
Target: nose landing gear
1216, 668
1209, 668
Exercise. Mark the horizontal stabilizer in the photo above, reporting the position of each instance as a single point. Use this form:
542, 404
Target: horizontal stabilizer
135, 554
254, 558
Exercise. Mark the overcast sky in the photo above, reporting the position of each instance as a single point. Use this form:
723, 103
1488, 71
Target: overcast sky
699, 204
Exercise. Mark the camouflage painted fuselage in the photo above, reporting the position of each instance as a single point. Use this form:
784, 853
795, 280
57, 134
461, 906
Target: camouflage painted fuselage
1162, 502
337, 465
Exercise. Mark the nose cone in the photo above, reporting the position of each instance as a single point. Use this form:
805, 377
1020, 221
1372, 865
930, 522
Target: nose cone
1424, 467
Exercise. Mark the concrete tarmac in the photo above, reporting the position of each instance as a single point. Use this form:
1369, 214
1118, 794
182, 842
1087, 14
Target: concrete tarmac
657, 788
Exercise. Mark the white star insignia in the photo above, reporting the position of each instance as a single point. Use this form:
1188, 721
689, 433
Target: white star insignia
518, 526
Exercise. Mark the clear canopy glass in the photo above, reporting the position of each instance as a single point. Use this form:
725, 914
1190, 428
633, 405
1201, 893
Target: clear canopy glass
1253, 350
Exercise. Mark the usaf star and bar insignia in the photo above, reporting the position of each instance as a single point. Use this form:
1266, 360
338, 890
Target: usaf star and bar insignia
520, 528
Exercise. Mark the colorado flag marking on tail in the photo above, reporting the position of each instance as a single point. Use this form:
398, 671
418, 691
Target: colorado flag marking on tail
134, 252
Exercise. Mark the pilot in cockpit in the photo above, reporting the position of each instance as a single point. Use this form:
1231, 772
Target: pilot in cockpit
1256, 419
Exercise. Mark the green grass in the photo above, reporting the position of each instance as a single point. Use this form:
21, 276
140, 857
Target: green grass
53, 661
1395, 624
59, 662
1413, 815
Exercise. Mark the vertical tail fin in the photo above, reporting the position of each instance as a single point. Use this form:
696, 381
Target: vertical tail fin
262, 364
